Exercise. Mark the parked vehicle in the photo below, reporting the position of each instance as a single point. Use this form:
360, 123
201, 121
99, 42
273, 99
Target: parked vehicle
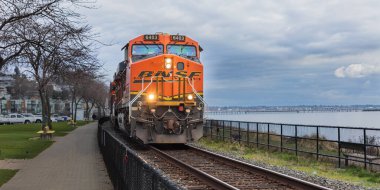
51, 118
28, 118
17, 118
32, 118
4, 120
65, 118
61, 118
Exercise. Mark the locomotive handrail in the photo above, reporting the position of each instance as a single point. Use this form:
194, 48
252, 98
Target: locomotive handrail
138, 95
196, 92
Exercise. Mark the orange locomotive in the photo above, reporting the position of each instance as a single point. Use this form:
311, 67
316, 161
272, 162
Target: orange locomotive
157, 92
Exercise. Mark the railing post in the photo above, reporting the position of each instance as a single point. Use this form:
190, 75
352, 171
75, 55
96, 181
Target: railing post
365, 147
230, 131
247, 134
257, 135
317, 143
281, 138
211, 128
339, 147
296, 139
219, 130
223, 131
268, 136
239, 132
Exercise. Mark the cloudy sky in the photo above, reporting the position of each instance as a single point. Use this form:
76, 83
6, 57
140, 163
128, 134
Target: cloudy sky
261, 52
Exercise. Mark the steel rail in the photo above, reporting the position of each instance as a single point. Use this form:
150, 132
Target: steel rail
206, 178
294, 182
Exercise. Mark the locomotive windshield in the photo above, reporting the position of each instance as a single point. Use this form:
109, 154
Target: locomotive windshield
147, 49
182, 50
143, 51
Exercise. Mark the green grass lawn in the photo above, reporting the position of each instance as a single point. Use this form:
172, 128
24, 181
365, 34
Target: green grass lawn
20, 141
353, 175
6, 175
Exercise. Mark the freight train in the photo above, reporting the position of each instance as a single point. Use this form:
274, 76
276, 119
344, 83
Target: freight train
157, 91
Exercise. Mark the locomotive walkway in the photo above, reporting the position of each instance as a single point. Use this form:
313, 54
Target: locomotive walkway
72, 162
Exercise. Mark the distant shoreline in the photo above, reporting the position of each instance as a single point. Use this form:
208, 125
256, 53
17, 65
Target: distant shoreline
371, 109
283, 111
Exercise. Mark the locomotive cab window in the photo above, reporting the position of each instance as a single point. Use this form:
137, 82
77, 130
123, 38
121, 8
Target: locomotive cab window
189, 52
182, 50
142, 51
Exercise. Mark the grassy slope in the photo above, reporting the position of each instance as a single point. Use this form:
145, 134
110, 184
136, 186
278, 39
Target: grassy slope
352, 175
21, 141
6, 175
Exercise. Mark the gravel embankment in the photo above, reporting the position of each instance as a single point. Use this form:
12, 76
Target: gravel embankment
330, 183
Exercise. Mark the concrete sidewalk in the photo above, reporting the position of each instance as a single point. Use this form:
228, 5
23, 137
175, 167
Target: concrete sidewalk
13, 164
73, 162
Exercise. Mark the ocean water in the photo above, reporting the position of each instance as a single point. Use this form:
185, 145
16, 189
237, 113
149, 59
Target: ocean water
328, 119
344, 119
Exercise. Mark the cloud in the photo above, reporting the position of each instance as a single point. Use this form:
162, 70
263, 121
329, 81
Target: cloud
266, 51
333, 94
357, 71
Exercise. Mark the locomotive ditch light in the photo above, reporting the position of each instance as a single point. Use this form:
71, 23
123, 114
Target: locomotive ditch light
168, 63
151, 97
153, 110
190, 97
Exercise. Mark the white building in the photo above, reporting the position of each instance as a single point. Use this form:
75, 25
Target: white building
5, 82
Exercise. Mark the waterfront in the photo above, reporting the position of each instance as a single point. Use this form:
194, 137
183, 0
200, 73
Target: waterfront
344, 119
328, 119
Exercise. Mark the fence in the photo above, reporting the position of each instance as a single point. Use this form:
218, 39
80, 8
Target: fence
125, 167
359, 145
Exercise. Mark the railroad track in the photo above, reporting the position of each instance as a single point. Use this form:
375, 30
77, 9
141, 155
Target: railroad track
219, 172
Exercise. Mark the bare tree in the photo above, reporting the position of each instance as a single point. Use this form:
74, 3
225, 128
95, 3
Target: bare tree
13, 13
101, 97
88, 95
80, 84
46, 38
22, 87
51, 49
94, 95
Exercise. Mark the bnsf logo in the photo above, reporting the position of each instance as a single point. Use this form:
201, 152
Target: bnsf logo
181, 74
144, 74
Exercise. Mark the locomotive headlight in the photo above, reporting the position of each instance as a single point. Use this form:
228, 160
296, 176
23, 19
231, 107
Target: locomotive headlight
168, 63
151, 96
190, 97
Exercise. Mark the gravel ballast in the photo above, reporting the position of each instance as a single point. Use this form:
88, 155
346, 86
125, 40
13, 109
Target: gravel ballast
330, 183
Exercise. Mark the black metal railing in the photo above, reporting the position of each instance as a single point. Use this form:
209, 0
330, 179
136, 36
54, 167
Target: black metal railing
125, 168
361, 146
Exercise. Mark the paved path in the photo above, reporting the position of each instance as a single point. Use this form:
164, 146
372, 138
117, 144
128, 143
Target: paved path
13, 164
73, 162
